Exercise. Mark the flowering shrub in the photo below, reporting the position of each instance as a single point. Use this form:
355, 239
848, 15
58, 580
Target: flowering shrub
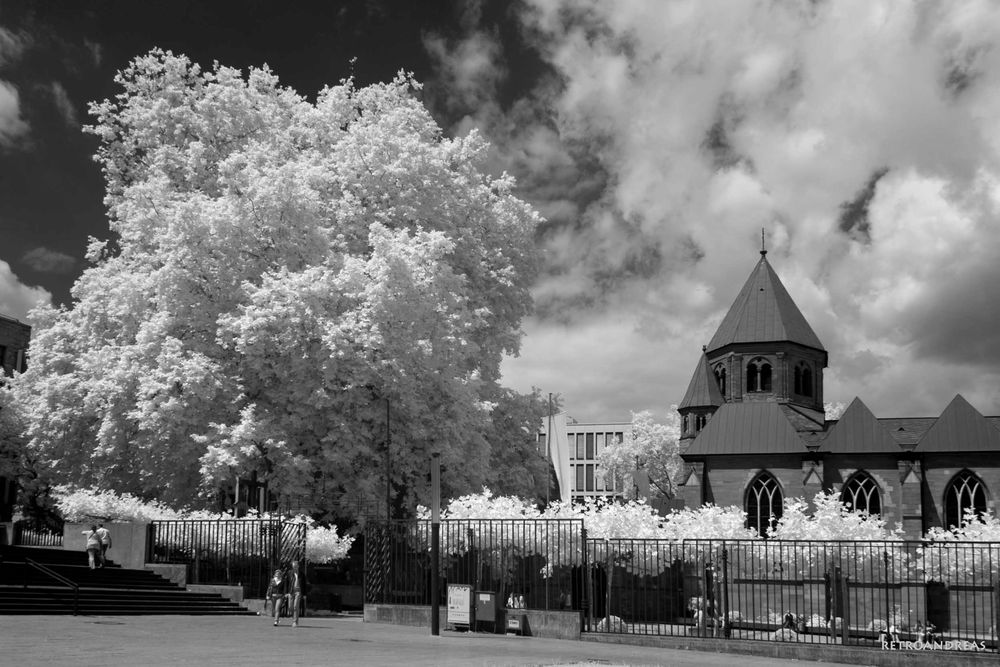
323, 544
956, 555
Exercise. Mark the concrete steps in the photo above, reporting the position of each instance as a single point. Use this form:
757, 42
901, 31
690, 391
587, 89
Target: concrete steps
112, 590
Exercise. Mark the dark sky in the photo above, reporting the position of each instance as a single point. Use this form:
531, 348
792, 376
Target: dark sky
50, 188
656, 137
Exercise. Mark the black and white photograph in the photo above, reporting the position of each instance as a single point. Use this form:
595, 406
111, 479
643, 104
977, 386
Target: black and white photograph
499, 332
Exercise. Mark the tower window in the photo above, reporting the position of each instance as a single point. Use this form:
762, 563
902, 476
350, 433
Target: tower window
758, 375
803, 379
861, 494
699, 422
720, 377
764, 503
965, 492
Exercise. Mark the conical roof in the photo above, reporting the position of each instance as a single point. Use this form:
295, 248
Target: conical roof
960, 428
764, 312
858, 431
703, 391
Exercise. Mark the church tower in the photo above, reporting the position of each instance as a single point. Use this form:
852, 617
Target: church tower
763, 351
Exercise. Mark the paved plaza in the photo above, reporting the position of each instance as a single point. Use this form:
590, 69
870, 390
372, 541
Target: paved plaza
193, 641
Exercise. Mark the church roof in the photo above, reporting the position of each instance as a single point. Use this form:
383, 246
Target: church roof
703, 390
748, 428
961, 428
858, 431
764, 312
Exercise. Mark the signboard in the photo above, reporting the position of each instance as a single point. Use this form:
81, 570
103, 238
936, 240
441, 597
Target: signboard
459, 603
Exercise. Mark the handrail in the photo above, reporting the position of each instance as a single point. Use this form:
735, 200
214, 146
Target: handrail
58, 577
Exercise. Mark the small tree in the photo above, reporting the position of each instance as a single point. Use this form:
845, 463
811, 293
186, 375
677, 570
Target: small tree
649, 447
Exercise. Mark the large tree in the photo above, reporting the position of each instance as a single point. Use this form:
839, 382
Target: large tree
278, 273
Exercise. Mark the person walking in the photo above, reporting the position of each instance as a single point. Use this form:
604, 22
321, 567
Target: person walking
93, 546
276, 592
105, 536
297, 589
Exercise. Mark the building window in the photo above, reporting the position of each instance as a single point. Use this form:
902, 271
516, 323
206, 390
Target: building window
720, 377
590, 477
699, 422
763, 503
861, 494
803, 379
580, 478
590, 446
758, 375
581, 450
965, 492
684, 424
571, 439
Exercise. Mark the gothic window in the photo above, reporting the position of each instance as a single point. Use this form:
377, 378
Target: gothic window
763, 503
699, 422
861, 494
720, 377
758, 375
964, 492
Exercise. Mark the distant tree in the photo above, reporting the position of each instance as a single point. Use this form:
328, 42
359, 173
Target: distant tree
650, 448
278, 273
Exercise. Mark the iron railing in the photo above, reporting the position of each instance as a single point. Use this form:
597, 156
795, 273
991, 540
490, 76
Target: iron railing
30, 535
532, 563
240, 552
895, 594
857, 593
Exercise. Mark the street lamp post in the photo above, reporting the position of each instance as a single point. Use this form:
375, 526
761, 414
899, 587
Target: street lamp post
435, 543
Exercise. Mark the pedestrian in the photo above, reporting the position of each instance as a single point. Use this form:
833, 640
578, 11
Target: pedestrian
276, 592
93, 546
105, 536
297, 585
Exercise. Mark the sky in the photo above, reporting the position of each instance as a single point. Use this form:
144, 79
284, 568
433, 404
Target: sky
657, 138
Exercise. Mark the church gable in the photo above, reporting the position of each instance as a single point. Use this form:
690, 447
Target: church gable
858, 432
748, 428
960, 428
703, 391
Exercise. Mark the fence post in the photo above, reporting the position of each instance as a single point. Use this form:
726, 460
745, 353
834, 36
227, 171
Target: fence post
846, 621
587, 617
726, 627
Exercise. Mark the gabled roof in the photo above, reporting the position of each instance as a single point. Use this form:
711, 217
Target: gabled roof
764, 312
747, 428
858, 431
703, 391
960, 428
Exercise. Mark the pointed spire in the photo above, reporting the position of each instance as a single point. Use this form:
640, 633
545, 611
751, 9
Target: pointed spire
763, 250
764, 312
703, 390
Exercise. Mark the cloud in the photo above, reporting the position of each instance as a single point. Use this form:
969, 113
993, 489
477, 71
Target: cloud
49, 261
63, 104
12, 126
16, 298
12, 45
861, 135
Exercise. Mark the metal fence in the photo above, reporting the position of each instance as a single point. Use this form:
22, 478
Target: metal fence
534, 563
945, 594
230, 551
900, 594
30, 535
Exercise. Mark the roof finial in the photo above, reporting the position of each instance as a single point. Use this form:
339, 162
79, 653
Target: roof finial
763, 250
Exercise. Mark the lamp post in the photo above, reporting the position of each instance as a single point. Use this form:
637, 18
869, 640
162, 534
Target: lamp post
388, 465
435, 543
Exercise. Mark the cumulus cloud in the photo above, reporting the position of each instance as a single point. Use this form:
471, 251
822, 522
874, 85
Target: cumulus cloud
12, 126
862, 135
46, 260
60, 98
16, 298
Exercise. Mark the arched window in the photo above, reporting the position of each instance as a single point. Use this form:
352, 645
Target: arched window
861, 494
699, 422
807, 381
758, 375
720, 377
684, 422
965, 491
798, 380
763, 503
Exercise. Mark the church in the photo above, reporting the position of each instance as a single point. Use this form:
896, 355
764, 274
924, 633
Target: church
754, 432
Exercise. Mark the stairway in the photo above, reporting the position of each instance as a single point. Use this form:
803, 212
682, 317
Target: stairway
111, 591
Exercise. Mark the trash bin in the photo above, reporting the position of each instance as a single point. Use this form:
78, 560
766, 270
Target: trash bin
486, 608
